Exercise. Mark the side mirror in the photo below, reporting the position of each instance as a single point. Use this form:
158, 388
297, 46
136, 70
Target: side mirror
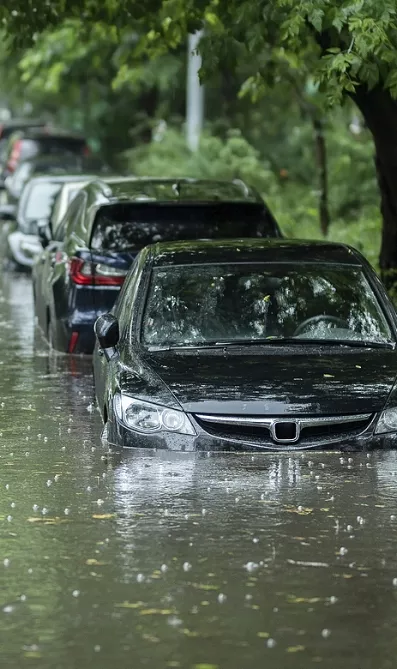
107, 333
44, 233
7, 212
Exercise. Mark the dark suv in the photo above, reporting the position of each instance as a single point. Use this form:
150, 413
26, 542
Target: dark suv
80, 273
25, 145
9, 128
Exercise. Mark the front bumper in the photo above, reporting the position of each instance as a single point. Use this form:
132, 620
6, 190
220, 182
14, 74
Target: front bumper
120, 436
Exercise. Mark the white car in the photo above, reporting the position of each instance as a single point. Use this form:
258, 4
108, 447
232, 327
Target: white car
34, 210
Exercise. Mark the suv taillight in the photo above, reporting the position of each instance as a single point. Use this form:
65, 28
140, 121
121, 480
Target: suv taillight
14, 156
85, 273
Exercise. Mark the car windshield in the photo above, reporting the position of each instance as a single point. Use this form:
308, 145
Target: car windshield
38, 204
207, 304
131, 227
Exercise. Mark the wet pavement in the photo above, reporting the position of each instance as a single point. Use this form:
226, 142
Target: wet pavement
174, 560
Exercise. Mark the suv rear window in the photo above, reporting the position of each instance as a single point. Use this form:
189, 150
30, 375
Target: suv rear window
133, 226
50, 145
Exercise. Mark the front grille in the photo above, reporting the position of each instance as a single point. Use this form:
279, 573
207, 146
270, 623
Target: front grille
258, 431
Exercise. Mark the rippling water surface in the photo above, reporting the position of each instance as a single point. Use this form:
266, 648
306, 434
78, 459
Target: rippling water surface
174, 560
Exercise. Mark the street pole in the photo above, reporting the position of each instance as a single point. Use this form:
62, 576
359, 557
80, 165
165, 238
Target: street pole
194, 93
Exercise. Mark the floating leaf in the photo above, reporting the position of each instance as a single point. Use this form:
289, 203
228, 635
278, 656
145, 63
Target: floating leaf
130, 605
303, 600
94, 561
160, 612
263, 635
328, 376
103, 516
204, 586
295, 649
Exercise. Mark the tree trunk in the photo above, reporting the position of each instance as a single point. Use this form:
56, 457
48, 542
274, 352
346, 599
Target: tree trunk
321, 153
380, 113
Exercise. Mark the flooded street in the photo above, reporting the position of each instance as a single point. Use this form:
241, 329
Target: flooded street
172, 560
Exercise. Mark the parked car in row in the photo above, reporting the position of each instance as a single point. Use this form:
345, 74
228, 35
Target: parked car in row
8, 128
52, 164
248, 345
25, 145
79, 274
34, 210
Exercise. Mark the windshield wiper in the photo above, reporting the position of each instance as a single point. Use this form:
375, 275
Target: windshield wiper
299, 341
275, 341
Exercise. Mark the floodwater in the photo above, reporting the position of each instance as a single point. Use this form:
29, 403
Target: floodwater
174, 560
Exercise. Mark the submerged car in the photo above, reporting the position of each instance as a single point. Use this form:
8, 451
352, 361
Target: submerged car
32, 143
52, 164
80, 274
32, 213
248, 345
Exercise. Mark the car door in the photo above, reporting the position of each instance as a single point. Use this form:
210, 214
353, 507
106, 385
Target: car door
59, 286
104, 371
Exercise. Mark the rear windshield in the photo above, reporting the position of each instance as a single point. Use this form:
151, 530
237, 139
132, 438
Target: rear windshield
50, 146
131, 227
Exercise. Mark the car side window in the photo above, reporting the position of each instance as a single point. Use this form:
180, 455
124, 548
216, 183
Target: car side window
124, 307
69, 219
120, 306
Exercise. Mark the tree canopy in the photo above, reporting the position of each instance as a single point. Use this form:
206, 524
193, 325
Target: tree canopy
339, 48
344, 44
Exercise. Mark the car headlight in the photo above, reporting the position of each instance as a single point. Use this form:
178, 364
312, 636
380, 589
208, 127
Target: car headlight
148, 418
387, 421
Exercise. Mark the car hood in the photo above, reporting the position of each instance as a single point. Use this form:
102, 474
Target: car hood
317, 382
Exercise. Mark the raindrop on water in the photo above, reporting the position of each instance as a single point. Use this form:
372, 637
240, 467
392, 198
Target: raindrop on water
186, 566
76, 593
270, 643
221, 598
325, 633
251, 566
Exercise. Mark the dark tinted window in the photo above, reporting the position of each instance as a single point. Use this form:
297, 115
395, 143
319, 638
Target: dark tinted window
197, 304
131, 227
50, 146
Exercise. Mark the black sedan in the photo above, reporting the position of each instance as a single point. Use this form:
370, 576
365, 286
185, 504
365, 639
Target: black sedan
248, 345
79, 275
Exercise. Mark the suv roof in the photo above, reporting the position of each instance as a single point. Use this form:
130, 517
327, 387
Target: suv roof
41, 132
254, 250
7, 128
183, 190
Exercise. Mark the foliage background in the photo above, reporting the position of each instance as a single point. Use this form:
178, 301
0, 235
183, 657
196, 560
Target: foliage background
131, 107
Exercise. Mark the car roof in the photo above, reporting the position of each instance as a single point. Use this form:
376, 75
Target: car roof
60, 178
253, 251
183, 190
38, 133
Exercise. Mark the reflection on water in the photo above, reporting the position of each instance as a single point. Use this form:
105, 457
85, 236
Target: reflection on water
179, 560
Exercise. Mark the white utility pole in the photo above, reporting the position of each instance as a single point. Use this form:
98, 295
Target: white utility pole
194, 93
